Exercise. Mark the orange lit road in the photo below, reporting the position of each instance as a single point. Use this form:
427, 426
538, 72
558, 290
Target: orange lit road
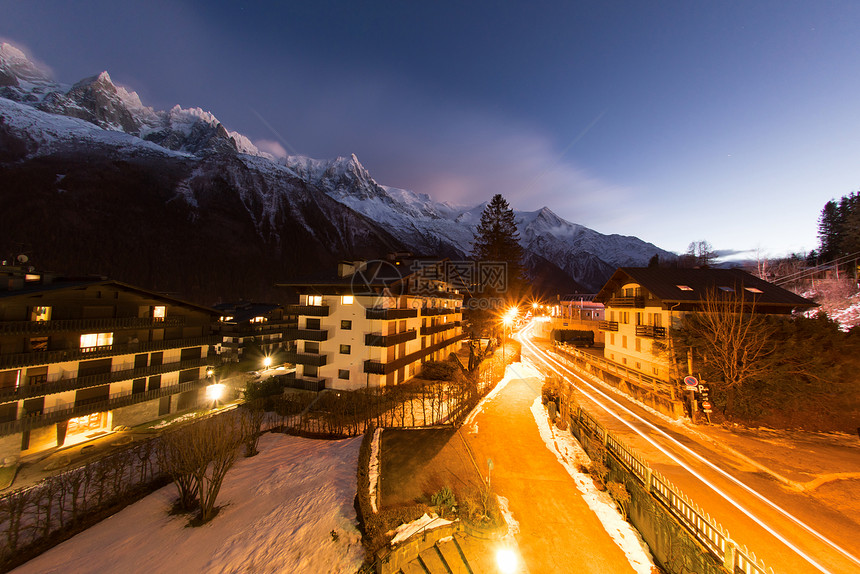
791, 531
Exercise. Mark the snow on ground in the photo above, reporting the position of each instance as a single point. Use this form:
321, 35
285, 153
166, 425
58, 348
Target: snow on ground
513, 371
568, 452
278, 511
426, 522
373, 470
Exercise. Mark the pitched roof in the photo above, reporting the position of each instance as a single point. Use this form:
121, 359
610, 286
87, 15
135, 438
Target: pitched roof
692, 285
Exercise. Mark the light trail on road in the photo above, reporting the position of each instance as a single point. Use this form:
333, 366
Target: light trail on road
550, 361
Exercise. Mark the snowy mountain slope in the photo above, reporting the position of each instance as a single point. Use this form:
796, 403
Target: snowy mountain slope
336, 205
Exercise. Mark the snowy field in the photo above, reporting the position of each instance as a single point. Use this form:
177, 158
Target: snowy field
278, 511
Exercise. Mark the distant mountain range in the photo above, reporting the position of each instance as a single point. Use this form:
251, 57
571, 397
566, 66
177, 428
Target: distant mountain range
93, 181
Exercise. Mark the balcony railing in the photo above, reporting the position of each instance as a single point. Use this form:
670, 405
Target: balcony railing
626, 302
432, 329
389, 314
608, 325
306, 334
433, 311
39, 386
315, 384
308, 310
305, 359
379, 368
376, 340
115, 401
651, 331
95, 325
14, 360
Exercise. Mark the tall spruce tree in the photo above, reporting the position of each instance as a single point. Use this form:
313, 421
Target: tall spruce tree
497, 240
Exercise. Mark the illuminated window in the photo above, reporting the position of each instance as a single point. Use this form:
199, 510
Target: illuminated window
347, 299
638, 346
727, 289
41, 314
753, 290
684, 287
315, 300
226, 318
258, 320
158, 312
92, 340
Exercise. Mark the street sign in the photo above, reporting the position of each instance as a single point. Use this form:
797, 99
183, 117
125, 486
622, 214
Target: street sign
691, 382
706, 406
702, 389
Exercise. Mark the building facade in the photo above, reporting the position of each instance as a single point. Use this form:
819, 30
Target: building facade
643, 303
373, 325
253, 328
80, 358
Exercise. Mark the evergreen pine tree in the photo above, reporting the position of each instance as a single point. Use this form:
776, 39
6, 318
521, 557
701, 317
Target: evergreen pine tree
497, 241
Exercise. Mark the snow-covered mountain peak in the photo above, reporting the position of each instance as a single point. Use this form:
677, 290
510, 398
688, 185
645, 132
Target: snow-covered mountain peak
15, 65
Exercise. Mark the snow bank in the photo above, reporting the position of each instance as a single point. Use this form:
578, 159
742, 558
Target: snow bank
373, 471
568, 452
278, 512
426, 522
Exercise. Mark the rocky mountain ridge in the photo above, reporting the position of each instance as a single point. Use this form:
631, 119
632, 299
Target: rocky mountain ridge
294, 214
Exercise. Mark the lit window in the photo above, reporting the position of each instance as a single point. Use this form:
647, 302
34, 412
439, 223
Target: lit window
727, 289
41, 314
315, 300
684, 287
158, 312
226, 318
92, 340
753, 290
347, 299
258, 320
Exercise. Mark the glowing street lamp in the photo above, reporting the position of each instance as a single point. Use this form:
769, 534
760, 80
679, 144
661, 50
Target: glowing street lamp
215, 392
506, 560
267, 362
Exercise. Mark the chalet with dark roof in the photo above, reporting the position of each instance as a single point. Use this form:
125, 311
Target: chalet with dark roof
641, 303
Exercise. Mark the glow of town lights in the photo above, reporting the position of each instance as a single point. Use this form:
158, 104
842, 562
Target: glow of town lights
506, 560
547, 359
215, 392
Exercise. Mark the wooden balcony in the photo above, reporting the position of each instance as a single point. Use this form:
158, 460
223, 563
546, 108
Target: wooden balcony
651, 331
390, 314
87, 325
434, 311
608, 325
380, 368
39, 386
432, 329
305, 359
315, 384
378, 340
308, 310
115, 401
306, 335
15, 360
638, 302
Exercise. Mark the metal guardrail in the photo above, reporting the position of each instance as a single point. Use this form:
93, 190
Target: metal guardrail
306, 334
433, 329
699, 523
309, 310
305, 359
433, 311
607, 325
